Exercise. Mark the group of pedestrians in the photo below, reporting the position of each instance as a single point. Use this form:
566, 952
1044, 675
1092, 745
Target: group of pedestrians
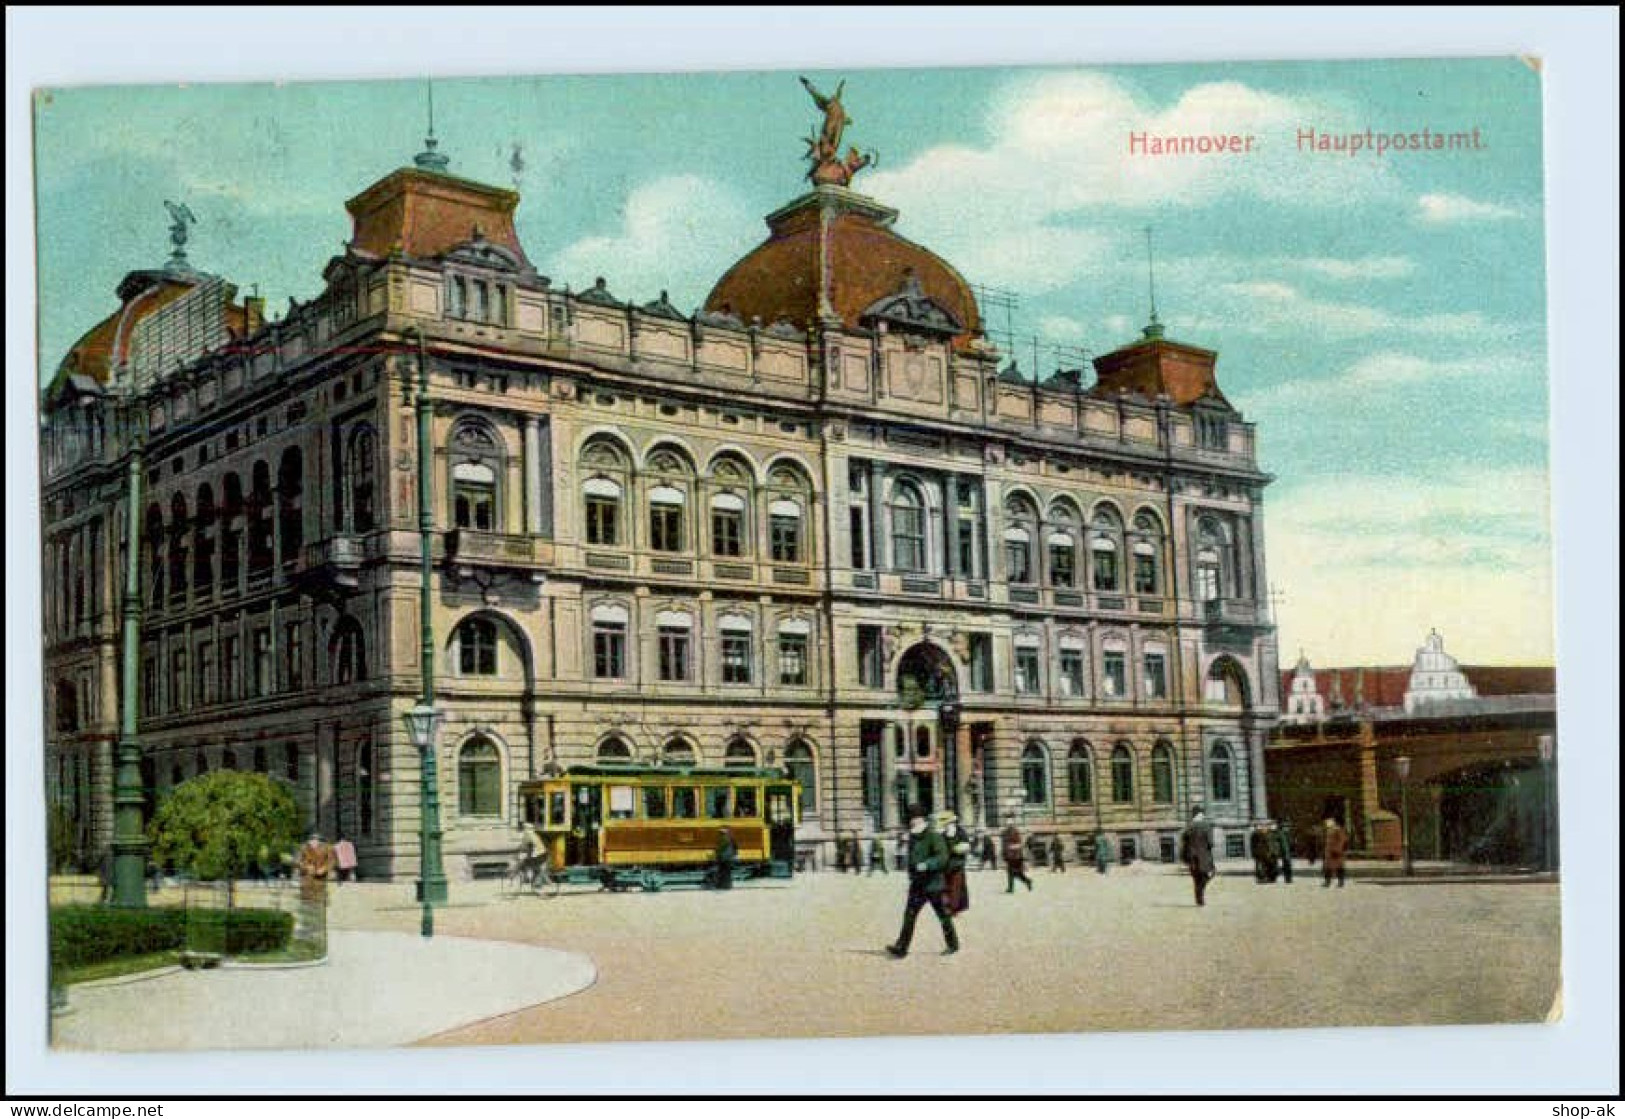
1271, 848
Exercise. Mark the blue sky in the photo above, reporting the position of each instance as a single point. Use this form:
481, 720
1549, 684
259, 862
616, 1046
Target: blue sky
1382, 319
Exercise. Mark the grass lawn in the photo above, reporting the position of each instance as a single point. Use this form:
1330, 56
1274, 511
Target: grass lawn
123, 965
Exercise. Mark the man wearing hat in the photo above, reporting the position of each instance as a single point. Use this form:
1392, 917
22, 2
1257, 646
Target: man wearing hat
927, 861
1196, 849
958, 856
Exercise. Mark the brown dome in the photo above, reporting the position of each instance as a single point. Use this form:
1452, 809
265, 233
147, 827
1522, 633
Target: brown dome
838, 242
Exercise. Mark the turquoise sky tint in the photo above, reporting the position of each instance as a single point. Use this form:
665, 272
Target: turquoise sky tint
1381, 319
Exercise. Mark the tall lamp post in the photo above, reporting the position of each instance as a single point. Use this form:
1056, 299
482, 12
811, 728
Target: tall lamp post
423, 721
1548, 748
129, 844
1403, 765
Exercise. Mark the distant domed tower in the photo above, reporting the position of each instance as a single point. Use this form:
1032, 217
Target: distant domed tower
1435, 677
1305, 703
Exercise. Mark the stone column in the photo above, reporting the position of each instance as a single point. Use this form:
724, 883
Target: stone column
1255, 752
877, 522
963, 773
950, 528
888, 777
533, 475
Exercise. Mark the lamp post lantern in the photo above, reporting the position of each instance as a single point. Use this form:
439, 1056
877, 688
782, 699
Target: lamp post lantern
1548, 750
1403, 765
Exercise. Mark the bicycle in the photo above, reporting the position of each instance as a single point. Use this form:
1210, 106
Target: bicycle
530, 872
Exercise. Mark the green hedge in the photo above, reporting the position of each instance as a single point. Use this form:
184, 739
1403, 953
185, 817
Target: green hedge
90, 934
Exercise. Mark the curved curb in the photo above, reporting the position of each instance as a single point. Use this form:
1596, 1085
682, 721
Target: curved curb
280, 965
122, 980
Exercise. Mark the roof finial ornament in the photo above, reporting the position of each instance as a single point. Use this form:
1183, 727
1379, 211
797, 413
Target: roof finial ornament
824, 146
428, 158
180, 216
1153, 329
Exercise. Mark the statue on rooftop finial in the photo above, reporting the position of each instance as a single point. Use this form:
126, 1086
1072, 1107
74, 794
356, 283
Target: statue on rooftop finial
824, 146
180, 216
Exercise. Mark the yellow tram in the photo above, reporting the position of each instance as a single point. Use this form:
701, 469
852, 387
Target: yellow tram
650, 826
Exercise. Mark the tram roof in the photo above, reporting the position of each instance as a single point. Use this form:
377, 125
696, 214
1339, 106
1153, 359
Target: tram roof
634, 770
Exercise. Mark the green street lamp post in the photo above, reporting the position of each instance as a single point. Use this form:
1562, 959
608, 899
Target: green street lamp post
129, 888
423, 721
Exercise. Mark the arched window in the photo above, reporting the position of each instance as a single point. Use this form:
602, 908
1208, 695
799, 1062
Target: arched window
614, 751
361, 473
907, 528
1080, 773
678, 752
231, 533
739, 755
603, 488
479, 778
290, 489
476, 471
203, 541
1106, 550
1147, 548
1162, 774
1063, 546
1226, 684
1220, 772
668, 500
365, 794
1020, 526
261, 527
1035, 774
1122, 774
179, 526
347, 653
728, 532
477, 647
1210, 565
788, 493
802, 766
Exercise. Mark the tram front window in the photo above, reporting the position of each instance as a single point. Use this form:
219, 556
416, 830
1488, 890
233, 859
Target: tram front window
684, 804
556, 804
745, 804
716, 802
621, 802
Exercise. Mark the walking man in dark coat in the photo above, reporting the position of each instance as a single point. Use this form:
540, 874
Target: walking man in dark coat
989, 855
1283, 845
1103, 852
1257, 844
1057, 856
927, 862
1336, 851
1196, 850
726, 855
1015, 860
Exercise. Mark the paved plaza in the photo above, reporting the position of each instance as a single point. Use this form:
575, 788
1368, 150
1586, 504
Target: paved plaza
805, 958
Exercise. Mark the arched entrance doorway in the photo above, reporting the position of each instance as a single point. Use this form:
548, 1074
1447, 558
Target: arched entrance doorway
924, 751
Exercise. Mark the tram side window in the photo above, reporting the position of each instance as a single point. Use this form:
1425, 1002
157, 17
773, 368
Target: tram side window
654, 802
716, 802
556, 805
620, 802
684, 804
745, 804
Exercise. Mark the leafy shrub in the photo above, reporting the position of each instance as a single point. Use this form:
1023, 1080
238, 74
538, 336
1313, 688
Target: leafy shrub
242, 931
89, 934
219, 825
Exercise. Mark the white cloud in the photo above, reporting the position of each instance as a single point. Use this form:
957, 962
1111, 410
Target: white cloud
1060, 146
1394, 369
677, 233
1368, 564
1443, 209
1362, 268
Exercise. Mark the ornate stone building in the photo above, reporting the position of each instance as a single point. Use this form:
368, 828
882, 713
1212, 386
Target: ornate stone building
811, 525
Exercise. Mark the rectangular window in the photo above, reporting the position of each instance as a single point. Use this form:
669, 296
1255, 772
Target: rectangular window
149, 683
793, 659
1072, 673
622, 805
785, 534
262, 661
871, 669
1114, 684
859, 528
727, 532
1105, 570
1234, 847
666, 528
177, 679
685, 803
602, 521
1027, 671
745, 803
654, 802
981, 662
294, 636
716, 802
1062, 569
1156, 676
1017, 561
673, 653
966, 557
203, 674
908, 538
736, 658
231, 668
1145, 575
474, 506
609, 651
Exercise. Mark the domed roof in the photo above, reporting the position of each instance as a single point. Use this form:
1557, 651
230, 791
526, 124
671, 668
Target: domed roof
833, 254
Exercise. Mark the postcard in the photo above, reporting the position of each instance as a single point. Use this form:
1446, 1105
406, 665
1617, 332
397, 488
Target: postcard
796, 554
